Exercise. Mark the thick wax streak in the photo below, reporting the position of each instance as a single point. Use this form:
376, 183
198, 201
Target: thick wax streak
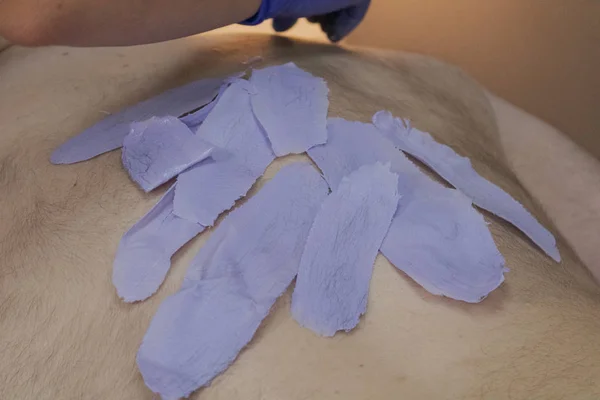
291, 105
159, 149
436, 236
144, 254
335, 271
242, 154
459, 172
247, 263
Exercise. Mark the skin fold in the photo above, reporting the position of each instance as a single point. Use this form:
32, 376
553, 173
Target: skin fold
66, 334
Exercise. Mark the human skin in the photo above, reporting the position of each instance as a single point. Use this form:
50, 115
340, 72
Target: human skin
66, 334
115, 23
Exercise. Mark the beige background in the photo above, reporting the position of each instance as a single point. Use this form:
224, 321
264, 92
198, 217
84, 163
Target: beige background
542, 55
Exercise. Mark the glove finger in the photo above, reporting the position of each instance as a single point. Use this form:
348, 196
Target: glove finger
282, 24
338, 25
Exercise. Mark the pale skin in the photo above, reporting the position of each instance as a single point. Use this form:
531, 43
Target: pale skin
90, 23
66, 335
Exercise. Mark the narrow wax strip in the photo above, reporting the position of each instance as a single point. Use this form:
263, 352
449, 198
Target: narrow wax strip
436, 237
459, 172
335, 270
144, 254
291, 105
246, 264
211, 187
108, 134
158, 149
196, 117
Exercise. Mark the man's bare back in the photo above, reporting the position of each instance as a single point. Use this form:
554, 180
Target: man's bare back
65, 334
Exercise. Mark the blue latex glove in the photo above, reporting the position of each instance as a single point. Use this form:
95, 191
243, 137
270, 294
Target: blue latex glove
337, 17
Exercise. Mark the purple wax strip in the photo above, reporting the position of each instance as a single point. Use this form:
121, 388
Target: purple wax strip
232, 126
108, 134
291, 105
159, 149
246, 264
195, 118
459, 172
335, 270
441, 242
436, 236
144, 254
211, 187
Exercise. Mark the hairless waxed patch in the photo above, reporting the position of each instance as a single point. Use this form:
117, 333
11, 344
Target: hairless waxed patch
459, 172
292, 106
231, 285
436, 236
335, 271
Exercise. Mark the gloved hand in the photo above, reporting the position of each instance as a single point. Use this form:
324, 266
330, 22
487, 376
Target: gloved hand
337, 17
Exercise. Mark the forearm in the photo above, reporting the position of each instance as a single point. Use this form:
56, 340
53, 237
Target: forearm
115, 22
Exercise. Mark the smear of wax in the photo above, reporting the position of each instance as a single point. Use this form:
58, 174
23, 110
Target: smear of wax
459, 172
144, 253
108, 134
335, 271
292, 106
211, 187
158, 149
436, 236
247, 263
